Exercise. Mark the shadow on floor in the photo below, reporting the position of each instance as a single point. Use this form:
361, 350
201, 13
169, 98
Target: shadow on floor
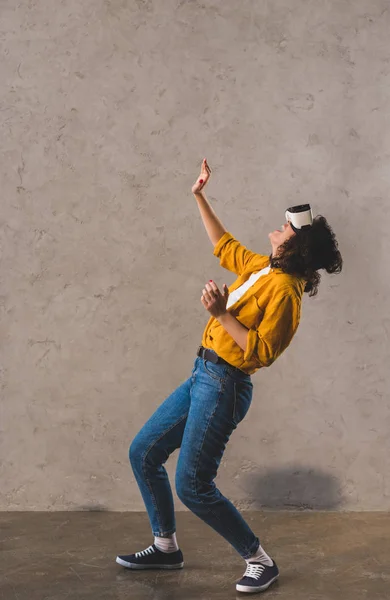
295, 488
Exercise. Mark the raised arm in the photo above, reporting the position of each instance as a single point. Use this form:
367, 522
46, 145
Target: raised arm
213, 225
232, 254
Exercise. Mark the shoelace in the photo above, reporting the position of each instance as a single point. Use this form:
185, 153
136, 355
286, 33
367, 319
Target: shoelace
149, 550
254, 571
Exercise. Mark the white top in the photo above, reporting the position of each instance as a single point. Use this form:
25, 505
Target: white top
239, 292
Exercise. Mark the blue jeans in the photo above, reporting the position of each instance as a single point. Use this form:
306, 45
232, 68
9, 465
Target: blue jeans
199, 417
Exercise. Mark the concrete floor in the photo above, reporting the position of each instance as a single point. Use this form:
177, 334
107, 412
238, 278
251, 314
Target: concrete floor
321, 556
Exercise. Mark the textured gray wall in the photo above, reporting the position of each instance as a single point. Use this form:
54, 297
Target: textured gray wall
107, 108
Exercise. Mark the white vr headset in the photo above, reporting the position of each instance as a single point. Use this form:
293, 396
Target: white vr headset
300, 217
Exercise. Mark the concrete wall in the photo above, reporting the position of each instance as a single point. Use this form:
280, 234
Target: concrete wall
107, 108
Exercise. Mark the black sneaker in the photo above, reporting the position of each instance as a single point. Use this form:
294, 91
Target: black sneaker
257, 577
152, 558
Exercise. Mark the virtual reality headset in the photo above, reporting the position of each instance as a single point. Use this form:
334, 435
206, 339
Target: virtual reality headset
300, 217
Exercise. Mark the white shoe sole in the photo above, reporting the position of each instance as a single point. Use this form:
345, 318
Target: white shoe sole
253, 590
135, 566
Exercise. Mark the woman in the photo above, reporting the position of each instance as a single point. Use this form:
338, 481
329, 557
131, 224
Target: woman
250, 326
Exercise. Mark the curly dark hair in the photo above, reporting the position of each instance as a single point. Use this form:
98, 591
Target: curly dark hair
310, 250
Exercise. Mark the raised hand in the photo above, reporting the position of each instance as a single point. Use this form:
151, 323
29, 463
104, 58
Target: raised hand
203, 178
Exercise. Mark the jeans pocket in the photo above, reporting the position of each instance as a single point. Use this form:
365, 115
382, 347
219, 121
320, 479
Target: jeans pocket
213, 370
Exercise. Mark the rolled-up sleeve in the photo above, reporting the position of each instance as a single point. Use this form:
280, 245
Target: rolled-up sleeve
276, 330
235, 257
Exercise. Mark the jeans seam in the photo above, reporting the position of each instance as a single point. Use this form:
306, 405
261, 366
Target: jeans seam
143, 464
234, 403
204, 435
194, 486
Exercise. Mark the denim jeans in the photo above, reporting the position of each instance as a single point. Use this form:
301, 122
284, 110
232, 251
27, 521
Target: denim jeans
198, 417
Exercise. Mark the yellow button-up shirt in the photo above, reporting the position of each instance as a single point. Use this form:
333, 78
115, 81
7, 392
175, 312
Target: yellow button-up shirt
270, 309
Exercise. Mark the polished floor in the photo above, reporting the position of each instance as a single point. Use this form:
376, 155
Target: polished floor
321, 556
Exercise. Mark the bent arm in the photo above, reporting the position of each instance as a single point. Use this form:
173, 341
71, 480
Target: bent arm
235, 329
274, 333
276, 330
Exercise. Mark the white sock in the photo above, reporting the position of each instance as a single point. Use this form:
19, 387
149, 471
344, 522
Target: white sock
166, 544
261, 556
